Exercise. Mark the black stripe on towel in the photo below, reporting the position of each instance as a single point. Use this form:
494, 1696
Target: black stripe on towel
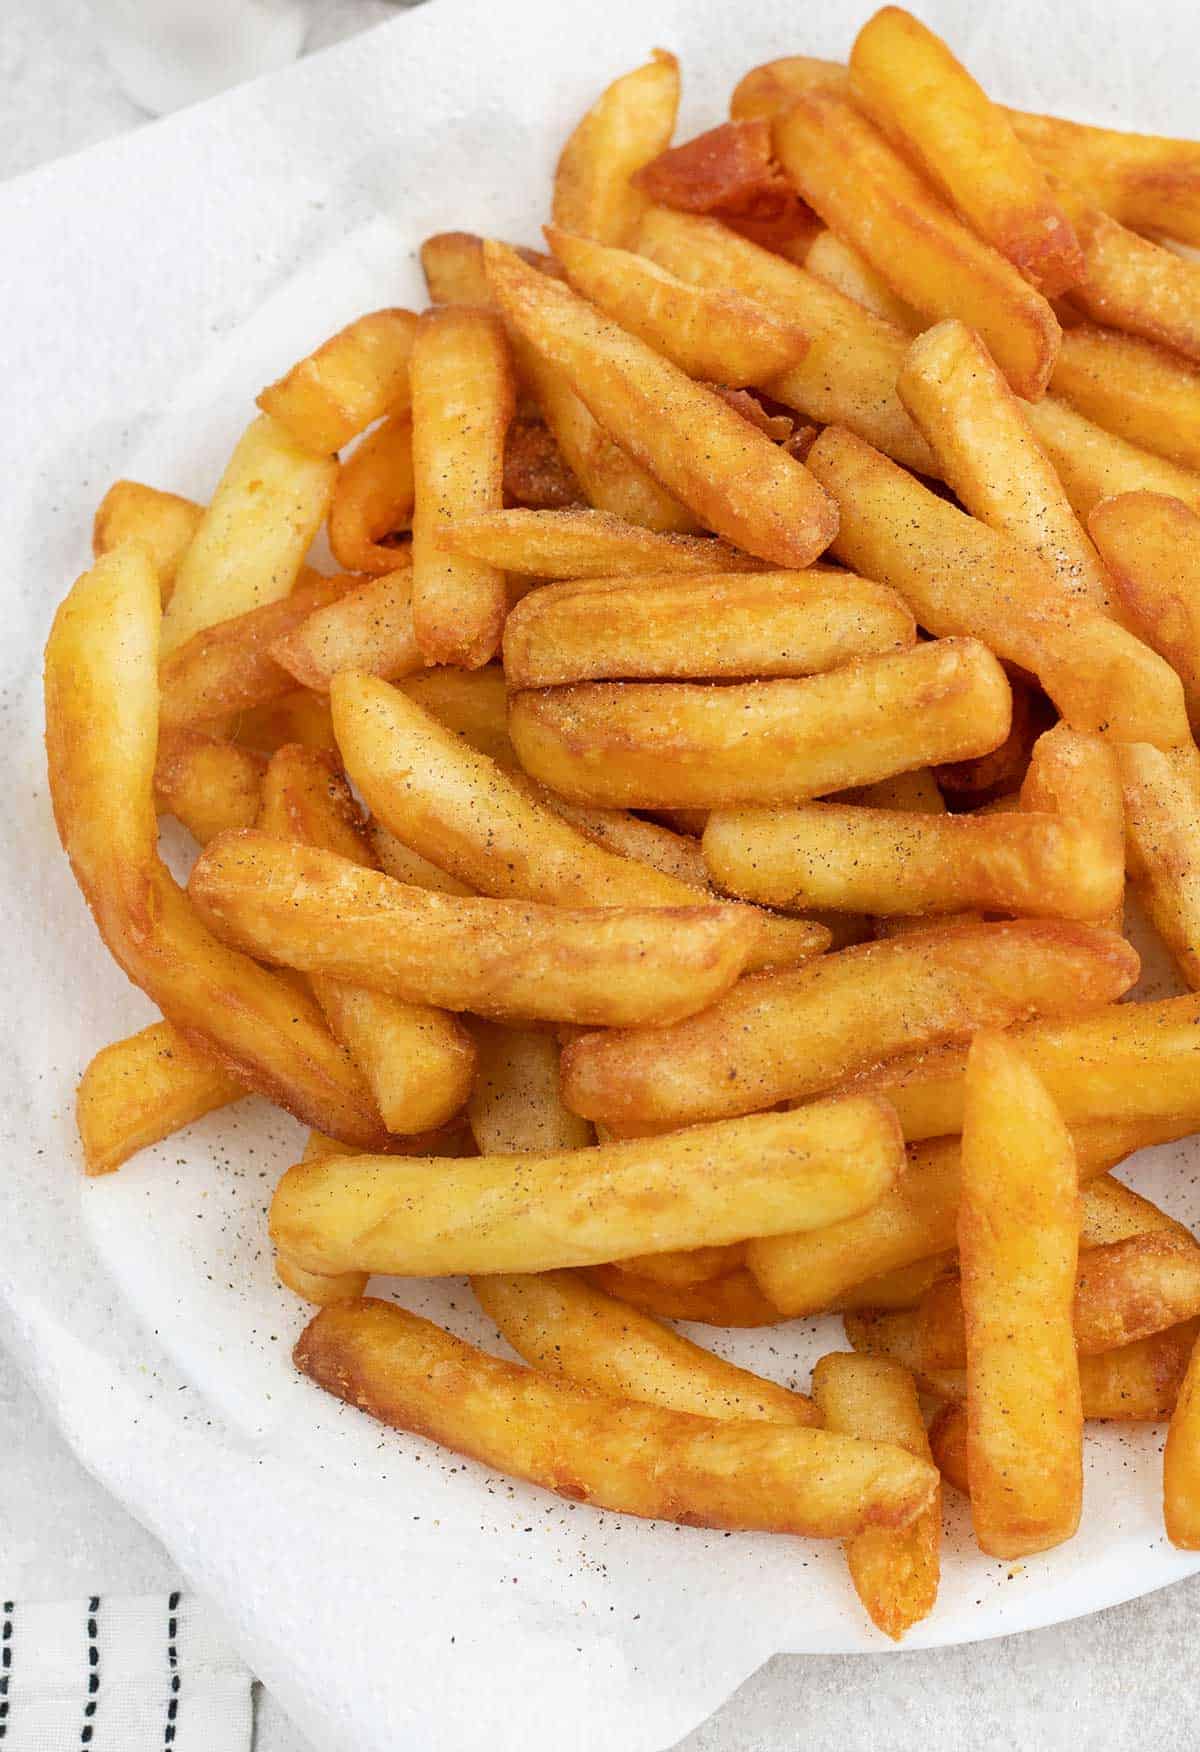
173, 1668
6, 1652
93, 1678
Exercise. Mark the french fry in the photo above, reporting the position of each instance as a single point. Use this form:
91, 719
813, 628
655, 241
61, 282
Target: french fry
208, 785
1152, 547
1095, 464
353, 379
1076, 775
903, 1288
1018, 1244
373, 500
635, 1459
452, 262
1181, 1464
586, 544
458, 808
299, 716
571, 1331
1143, 180
627, 127
988, 454
922, 95
1131, 283
632, 836
744, 488
1162, 840
400, 861
772, 89
894, 1570
163, 522
462, 397
683, 1269
418, 1061
472, 704
707, 1185
988, 586
1133, 388
840, 265
536, 475
251, 541
732, 1300
780, 1036
718, 624
729, 171
848, 374
141, 1089
515, 1104
101, 683
886, 861
1111, 1211
369, 629
708, 334
312, 1286
674, 744
972, 783
948, 1446
302, 907
865, 191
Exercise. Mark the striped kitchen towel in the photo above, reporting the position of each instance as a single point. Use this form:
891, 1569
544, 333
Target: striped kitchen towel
119, 1674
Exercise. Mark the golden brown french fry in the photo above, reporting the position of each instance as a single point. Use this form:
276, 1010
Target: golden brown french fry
571, 1331
1152, 546
141, 1089
886, 861
1131, 283
986, 585
457, 808
298, 717
1111, 1211
229, 667
779, 1036
1018, 1245
865, 191
848, 374
373, 501
370, 629
839, 264
636, 1459
683, 1269
452, 262
772, 89
732, 1300
1142, 392
1162, 841
744, 487
251, 541
630, 123
948, 1446
718, 624
1181, 1464
313, 1286
101, 682
1144, 180
208, 785
516, 1104
406, 865
989, 455
472, 704
900, 1289
973, 784
632, 836
586, 544
918, 92
706, 1185
353, 379
894, 1570
671, 744
1093, 463
302, 907
462, 398
1074, 774
163, 522
709, 334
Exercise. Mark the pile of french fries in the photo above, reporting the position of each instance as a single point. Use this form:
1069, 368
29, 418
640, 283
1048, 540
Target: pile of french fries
676, 866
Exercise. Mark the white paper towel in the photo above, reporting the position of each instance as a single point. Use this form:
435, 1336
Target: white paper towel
388, 1593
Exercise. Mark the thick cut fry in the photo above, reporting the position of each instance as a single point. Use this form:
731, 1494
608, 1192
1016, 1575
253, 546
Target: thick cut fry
586, 544
462, 395
783, 1035
1162, 840
452, 262
1111, 1211
627, 127
959, 577
309, 909
636, 1459
772, 89
1143, 180
406, 865
373, 500
139, 1090
369, 629
572, 1331
719, 625
948, 1446
865, 191
229, 667
1073, 774
733, 1300
208, 785
888, 861
516, 1104
1018, 1243
671, 744
163, 522
472, 704
298, 717
717, 335
312, 1286
101, 685
350, 381
1152, 546
743, 486
988, 454
1140, 391
848, 374
903, 1288
1131, 283
632, 836
536, 475
249, 545
1181, 1464
1094, 464
839, 264
918, 92
683, 1269
456, 807
768, 1173
894, 1570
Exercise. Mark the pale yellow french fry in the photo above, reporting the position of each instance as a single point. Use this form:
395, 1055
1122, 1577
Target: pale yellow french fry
1142, 392
251, 541
1152, 546
840, 265
516, 1104
586, 544
139, 1090
370, 628
1162, 840
1093, 463
780, 1036
1074, 774
630, 123
163, 522
373, 501
353, 379
208, 785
